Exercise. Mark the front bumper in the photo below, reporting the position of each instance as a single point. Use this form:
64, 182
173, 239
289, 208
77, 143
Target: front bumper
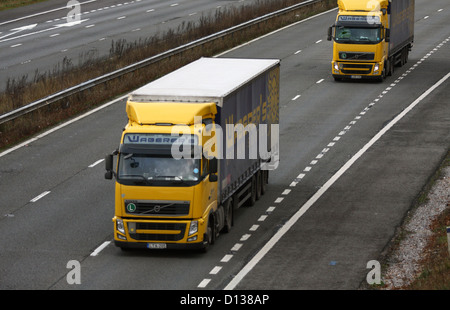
146, 233
356, 70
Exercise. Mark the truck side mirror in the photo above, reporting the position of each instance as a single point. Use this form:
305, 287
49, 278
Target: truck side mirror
387, 35
213, 178
330, 32
213, 170
213, 165
109, 166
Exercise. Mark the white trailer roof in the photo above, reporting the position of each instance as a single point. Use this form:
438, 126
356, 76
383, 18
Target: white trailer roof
204, 80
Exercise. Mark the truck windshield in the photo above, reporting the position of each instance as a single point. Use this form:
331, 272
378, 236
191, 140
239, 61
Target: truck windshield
351, 35
147, 169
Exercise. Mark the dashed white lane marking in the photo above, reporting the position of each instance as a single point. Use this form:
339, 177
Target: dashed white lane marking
204, 283
236, 247
331, 181
262, 218
226, 258
215, 270
304, 208
254, 227
245, 237
40, 196
96, 163
100, 248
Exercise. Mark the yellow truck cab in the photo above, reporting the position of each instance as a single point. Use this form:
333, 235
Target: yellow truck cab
371, 37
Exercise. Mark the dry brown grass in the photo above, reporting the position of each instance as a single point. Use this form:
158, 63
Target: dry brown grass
435, 264
11, 4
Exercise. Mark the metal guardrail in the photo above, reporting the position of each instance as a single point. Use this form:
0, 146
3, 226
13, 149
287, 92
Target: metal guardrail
143, 63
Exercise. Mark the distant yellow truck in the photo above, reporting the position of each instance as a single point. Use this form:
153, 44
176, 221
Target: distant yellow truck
371, 37
177, 186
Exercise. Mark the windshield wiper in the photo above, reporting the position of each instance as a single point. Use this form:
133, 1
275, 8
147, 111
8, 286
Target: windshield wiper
144, 179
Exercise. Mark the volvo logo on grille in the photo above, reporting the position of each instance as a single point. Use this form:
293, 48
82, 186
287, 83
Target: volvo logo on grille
156, 209
131, 207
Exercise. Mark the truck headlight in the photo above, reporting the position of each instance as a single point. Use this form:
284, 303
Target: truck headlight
120, 226
376, 68
193, 228
336, 66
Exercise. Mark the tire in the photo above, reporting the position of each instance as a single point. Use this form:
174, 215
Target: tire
208, 236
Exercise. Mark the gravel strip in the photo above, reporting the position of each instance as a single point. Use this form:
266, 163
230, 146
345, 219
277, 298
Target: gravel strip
403, 264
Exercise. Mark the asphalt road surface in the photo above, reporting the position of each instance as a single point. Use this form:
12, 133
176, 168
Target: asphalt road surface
36, 38
353, 157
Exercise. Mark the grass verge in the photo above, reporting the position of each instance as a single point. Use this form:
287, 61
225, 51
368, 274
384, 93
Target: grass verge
424, 266
435, 263
11, 4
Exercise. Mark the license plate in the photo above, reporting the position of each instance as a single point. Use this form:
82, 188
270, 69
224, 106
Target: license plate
356, 76
156, 245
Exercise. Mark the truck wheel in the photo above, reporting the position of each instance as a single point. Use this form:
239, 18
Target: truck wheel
208, 238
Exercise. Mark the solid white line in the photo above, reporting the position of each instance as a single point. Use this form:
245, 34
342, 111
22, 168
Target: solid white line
100, 248
284, 229
40, 196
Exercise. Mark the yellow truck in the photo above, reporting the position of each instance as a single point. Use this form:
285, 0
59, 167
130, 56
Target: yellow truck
187, 159
371, 37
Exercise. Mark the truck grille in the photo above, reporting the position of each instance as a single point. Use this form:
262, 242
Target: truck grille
356, 68
181, 227
158, 208
356, 56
